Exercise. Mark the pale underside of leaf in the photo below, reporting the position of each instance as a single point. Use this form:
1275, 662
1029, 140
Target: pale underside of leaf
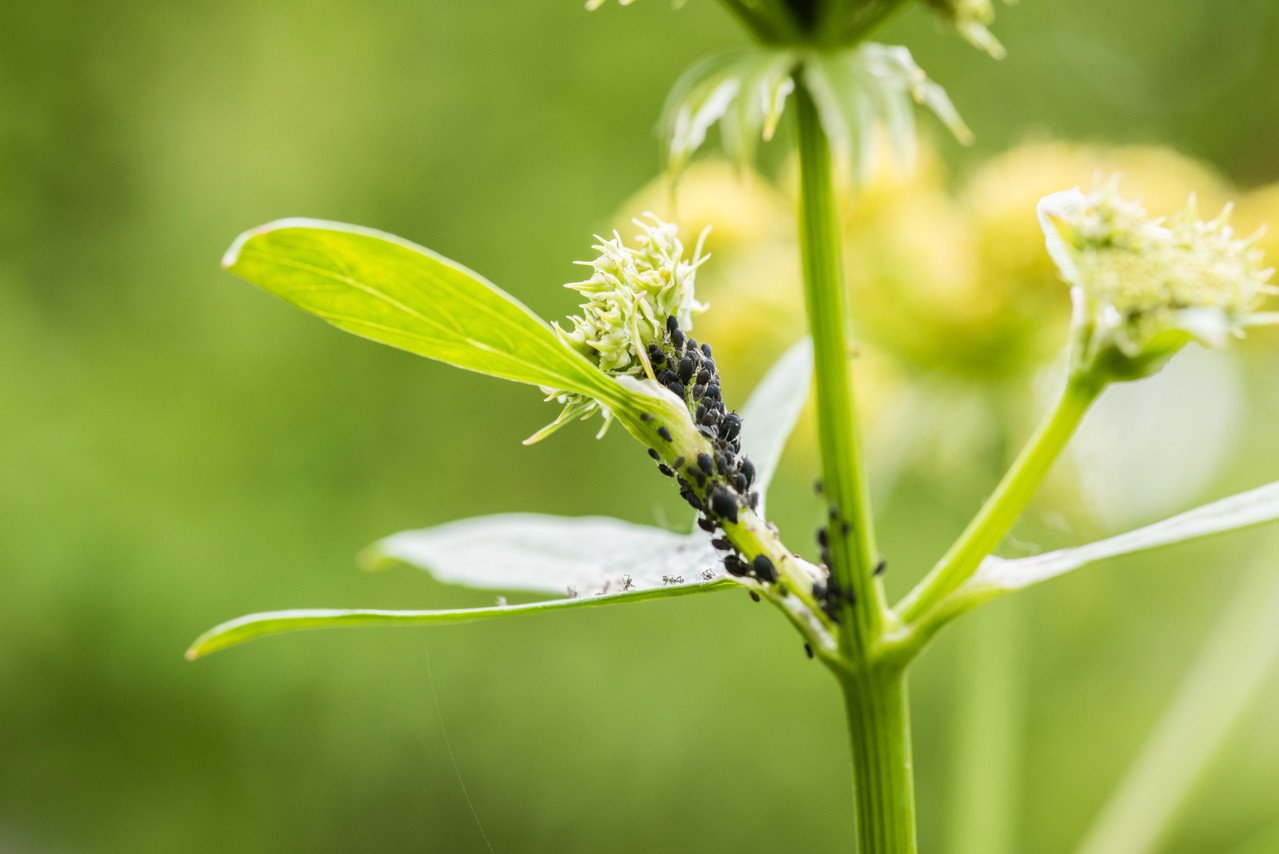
745, 91
870, 89
1247, 509
584, 556
253, 626
769, 416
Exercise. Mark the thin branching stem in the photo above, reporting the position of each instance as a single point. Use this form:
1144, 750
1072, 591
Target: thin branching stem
1005, 505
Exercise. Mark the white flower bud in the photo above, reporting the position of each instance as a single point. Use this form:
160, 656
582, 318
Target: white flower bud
1144, 287
631, 292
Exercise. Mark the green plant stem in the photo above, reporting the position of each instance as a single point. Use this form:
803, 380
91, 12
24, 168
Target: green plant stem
874, 691
849, 526
989, 719
1005, 505
883, 776
1232, 668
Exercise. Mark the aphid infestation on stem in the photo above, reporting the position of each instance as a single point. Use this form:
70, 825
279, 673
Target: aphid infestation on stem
1142, 288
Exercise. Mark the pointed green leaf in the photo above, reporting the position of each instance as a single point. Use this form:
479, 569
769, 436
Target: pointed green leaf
771, 412
389, 290
585, 556
253, 626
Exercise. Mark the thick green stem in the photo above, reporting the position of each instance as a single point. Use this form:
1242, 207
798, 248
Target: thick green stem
1005, 505
875, 693
850, 533
883, 777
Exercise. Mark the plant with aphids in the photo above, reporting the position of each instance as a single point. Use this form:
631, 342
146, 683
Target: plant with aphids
1142, 289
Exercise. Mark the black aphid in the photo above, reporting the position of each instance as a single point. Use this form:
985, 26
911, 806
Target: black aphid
686, 369
732, 425
721, 463
706, 524
705, 464
740, 483
735, 566
724, 504
666, 470
817, 486
646, 416
808, 650
676, 387
677, 338
822, 537
692, 345
665, 433
699, 390
703, 376
881, 566
748, 469
754, 596
706, 348
764, 569
722, 544
652, 452
679, 463
672, 325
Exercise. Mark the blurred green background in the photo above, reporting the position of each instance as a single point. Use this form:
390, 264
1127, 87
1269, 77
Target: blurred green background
178, 449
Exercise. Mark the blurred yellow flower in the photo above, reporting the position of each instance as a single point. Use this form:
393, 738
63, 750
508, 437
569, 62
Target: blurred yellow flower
954, 295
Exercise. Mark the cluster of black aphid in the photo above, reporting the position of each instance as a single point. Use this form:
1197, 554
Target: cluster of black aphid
831, 596
719, 483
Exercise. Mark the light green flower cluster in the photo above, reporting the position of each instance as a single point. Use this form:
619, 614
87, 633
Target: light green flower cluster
1143, 287
630, 294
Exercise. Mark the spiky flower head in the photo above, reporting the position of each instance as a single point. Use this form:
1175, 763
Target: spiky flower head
1144, 287
630, 294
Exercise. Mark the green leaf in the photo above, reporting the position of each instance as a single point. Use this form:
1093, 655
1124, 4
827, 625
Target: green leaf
997, 576
585, 556
253, 626
771, 412
389, 290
